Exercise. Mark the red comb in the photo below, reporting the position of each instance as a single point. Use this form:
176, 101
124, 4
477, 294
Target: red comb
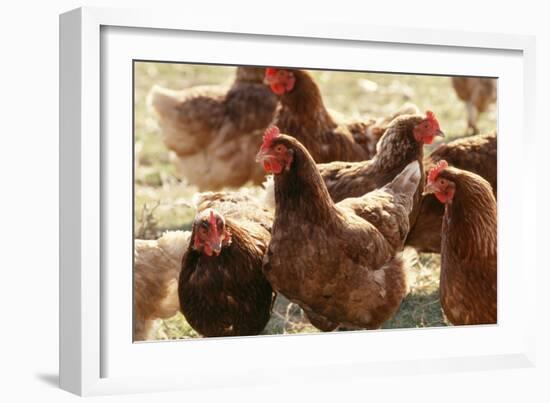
270, 133
213, 223
434, 172
270, 71
430, 115
212, 217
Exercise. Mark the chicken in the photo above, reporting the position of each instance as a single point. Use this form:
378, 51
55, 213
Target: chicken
222, 290
156, 269
468, 280
326, 135
478, 93
401, 144
340, 262
477, 154
215, 131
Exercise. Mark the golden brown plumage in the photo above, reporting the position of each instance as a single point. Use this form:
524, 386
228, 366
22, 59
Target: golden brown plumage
478, 94
156, 269
398, 147
215, 131
222, 289
468, 282
326, 135
340, 262
477, 154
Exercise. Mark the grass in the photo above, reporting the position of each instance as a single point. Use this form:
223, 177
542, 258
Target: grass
162, 202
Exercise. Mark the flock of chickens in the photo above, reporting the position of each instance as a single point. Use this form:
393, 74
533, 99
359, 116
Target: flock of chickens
342, 200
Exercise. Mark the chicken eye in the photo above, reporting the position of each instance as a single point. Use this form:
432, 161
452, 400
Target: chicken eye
279, 148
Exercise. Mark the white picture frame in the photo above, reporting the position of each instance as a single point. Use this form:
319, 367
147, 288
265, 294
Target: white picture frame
87, 142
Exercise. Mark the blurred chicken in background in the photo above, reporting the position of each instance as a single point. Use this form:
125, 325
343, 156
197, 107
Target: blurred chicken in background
478, 94
156, 270
215, 131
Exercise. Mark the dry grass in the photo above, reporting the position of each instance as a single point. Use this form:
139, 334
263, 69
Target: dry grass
163, 202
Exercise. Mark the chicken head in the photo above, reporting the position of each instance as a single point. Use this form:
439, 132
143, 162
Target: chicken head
210, 233
280, 81
442, 188
274, 156
427, 129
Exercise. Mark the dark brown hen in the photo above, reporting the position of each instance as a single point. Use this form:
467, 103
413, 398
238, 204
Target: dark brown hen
468, 281
477, 154
222, 289
327, 136
340, 262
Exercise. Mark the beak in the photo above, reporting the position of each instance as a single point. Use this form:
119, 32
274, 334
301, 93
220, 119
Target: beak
429, 188
216, 246
440, 133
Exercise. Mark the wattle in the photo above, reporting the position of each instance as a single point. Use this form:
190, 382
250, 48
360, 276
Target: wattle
442, 197
272, 166
278, 89
428, 139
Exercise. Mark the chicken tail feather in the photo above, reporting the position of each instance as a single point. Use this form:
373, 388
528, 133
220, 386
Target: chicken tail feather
405, 185
162, 101
408, 179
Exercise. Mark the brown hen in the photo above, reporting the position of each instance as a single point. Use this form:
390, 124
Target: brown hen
340, 262
478, 94
468, 280
402, 143
477, 154
215, 131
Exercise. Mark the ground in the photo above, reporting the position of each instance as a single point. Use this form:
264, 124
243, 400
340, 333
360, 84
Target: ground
157, 191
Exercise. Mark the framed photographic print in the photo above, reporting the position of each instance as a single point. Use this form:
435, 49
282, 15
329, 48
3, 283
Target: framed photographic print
242, 203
